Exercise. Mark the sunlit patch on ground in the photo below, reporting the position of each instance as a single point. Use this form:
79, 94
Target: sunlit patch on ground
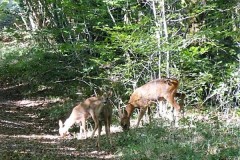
30, 103
31, 136
24, 134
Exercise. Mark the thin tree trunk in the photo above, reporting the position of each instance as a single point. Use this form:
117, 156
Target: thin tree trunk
109, 11
158, 36
164, 22
161, 31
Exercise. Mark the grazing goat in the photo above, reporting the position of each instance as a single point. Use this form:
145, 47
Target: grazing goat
145, 95
96, 107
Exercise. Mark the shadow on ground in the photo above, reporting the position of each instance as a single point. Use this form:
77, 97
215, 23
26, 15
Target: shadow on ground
25, 135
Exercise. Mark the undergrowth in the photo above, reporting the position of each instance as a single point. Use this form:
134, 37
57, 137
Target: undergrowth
203, 140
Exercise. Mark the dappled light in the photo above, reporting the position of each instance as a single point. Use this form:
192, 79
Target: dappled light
125, 80
36, 145
24, 132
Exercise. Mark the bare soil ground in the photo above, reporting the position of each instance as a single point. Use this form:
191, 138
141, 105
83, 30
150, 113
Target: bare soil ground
24, 135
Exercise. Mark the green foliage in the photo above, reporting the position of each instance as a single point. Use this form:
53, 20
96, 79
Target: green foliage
73, 49
58, 111
69, 47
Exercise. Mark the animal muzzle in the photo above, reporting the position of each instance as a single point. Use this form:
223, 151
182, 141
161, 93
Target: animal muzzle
125, 127
64, 134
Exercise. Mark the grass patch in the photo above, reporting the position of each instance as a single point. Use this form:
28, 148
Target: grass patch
158, 141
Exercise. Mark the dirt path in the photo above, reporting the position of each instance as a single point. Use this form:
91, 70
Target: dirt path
24, 135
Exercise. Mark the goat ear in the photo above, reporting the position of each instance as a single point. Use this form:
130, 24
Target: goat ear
60, 124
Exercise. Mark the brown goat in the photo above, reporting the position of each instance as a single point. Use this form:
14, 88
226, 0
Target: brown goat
105, 117
96, 107
142, 97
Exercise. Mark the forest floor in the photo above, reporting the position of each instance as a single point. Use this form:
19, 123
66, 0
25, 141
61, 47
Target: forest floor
26, 135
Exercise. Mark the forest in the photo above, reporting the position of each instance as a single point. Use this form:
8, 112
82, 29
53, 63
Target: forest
54, 54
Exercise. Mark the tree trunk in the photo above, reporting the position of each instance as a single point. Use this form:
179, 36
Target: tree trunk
164, 22
158, 36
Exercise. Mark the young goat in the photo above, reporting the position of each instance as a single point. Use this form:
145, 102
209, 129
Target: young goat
96, 107
106, 117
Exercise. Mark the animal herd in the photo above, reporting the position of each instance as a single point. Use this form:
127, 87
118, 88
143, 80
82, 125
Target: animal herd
100, 108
